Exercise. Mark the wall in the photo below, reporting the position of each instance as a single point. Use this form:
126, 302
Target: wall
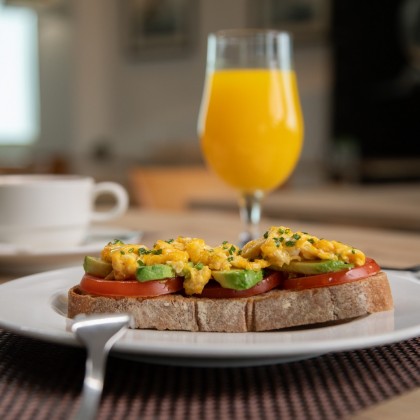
147, 110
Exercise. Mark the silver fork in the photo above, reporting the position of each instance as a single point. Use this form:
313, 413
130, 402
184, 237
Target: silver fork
99, 333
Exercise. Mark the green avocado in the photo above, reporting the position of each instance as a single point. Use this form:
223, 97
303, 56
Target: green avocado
238, 279
96, 266
314, 267
154, 272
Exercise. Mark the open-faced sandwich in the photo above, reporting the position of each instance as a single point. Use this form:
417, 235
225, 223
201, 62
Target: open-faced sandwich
283, 279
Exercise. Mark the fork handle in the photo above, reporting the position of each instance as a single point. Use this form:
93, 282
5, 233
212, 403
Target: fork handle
92, 386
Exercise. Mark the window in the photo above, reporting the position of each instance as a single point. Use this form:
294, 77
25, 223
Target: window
19, 83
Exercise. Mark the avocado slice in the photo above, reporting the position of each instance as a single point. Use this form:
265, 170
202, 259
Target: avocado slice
314, 267
96, 266
154, 272
238, 279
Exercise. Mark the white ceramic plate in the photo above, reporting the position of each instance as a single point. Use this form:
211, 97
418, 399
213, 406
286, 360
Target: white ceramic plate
35, 306
22, 261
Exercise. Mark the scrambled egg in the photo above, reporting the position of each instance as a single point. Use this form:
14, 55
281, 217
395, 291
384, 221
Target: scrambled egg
193, 259
280, 246
123, 258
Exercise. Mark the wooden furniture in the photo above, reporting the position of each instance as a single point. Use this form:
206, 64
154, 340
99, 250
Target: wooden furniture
174, 187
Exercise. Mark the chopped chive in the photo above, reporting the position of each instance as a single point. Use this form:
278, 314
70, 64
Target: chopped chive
278, 241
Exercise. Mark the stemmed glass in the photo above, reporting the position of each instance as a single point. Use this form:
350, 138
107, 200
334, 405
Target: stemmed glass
250, 122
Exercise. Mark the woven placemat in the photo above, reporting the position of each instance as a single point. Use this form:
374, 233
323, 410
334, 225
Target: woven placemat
40, 380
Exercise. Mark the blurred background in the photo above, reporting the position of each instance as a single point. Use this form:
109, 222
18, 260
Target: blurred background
99, 86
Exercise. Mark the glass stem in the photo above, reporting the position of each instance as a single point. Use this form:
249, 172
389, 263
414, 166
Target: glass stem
250, 212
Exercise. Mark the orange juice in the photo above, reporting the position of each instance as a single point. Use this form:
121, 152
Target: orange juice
251, 126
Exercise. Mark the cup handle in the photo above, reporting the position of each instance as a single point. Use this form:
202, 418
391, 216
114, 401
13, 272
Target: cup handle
121, 201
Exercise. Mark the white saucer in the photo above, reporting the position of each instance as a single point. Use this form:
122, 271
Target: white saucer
19, 260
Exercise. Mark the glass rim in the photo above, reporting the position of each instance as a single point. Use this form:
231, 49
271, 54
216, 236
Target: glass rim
244, 32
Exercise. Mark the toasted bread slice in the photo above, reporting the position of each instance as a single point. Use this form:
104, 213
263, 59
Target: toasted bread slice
272, 310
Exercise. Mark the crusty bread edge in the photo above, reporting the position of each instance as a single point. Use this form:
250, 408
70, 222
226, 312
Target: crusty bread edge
273, 310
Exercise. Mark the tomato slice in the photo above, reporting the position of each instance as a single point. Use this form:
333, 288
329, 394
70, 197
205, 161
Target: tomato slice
97, 286
331, 279
101, 287
213, 290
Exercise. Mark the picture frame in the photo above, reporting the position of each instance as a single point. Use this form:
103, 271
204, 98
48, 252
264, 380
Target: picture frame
306, 20
158, 29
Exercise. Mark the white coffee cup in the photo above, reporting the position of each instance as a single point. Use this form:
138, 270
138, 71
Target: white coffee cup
53, 210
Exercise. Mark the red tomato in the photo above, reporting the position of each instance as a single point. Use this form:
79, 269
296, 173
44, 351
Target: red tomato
97, 286
331, 279
214, 291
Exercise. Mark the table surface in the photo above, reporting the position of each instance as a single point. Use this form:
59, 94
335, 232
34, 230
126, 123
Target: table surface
393, 206
390, 247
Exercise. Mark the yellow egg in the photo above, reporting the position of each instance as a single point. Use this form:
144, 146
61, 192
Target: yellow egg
195, 260
124, 261
280, 245
196, 279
